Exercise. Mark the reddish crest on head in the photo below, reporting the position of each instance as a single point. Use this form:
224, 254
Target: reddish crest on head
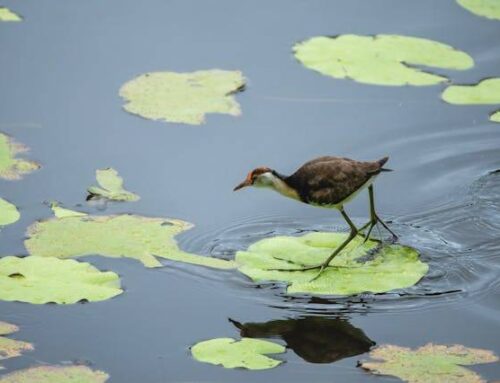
251, 177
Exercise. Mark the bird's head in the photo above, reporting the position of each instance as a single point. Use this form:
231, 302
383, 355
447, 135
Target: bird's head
259, 177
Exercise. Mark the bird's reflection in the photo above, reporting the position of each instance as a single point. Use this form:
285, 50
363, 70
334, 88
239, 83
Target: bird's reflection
314, 339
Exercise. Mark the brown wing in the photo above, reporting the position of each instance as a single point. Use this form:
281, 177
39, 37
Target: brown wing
330, 180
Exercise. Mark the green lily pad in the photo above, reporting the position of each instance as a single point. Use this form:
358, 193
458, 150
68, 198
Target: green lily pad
61, 212
10, 348
430, 363
111, 186
381, 59
131, 236
247, 353
12, 168
183, 97
7, 15
8, 213
40, 280
485, 8
56, 374
392, 267
486, 92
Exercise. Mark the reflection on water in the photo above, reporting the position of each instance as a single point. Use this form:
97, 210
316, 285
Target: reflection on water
314, 339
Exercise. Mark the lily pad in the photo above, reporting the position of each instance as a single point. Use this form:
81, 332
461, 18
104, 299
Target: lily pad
381, 59
40, 280
486, 92
12, 168
183, 97
111, 186
247, 353
351, 272
7, 15
430, 363
61, 212
131, 236
56, 374
10, 348
485, 8
8, 213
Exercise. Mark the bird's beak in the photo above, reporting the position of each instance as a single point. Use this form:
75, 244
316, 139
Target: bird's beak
242, 185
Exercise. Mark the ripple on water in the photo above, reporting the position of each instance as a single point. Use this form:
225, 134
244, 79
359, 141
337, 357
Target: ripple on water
458, 239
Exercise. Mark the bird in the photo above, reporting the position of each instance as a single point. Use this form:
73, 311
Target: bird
327, 182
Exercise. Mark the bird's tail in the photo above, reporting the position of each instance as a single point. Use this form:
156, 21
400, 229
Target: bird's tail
382, 162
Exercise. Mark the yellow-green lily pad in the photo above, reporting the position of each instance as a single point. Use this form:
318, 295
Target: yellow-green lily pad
61, 212
7, 15
246, 353
183, 97
485, 8
430, 363
486, 92
10, 348
40, 280
125, 235
111, 186
8, 213
381, 59
351, 272
12, 168
56, 374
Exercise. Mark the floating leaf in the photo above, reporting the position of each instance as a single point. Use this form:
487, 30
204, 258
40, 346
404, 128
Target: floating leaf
183, 97
430, 363
247, 353
381, 59
8, 213
111, 186
56, 374
12, 168
486, 8
131, 236
392, 267
10, 348
61, 212
7, 15
41, 280
486, 92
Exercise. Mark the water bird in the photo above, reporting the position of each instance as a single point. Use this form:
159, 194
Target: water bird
327, 182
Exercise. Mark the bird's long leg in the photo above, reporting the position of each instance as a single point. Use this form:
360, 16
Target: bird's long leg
374, 218
323, 265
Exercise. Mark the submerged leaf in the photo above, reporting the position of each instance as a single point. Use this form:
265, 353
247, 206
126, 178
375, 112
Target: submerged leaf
8, 213
10, 348
131, 236
111, 186
7, 15
486, 92
12, 168
247, 353
486, 8
41, 280
56, 374
183, 97
430, 363
61, 212
392, 267
381, 59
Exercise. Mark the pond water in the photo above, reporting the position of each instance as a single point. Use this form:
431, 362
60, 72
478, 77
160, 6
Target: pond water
61, 71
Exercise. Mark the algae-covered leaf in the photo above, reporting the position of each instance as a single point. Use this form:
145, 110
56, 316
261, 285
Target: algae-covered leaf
10, 348
430, 363
381, 59
485, 8
7, 15
8, 213
8, 328
12, 168
391, 267
56, 374
131, 236
61, 212
183, 97
246, 353
111, 186
486, 92
40, 280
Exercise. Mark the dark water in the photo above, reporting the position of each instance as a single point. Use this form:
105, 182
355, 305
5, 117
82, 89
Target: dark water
60, 74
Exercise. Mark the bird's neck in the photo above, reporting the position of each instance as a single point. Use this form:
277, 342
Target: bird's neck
278, 182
